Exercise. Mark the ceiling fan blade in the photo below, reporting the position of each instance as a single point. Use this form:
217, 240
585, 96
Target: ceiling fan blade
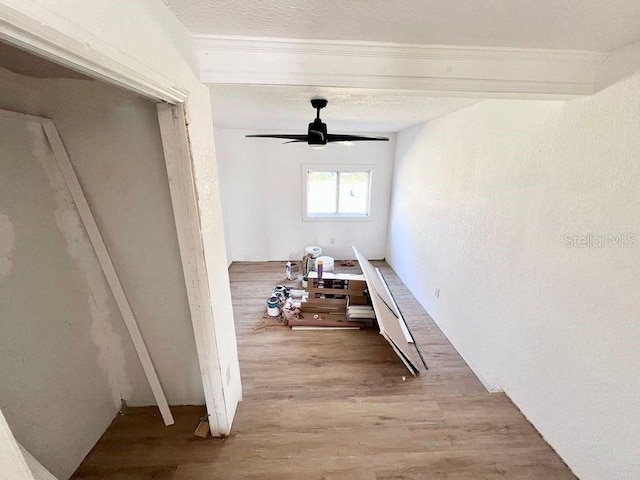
317, 136
291, 136
332, 137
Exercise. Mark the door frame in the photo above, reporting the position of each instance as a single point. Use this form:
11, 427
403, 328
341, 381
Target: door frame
25, 32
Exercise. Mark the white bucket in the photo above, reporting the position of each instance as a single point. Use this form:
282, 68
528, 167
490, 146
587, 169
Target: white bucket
327, 263
313, 250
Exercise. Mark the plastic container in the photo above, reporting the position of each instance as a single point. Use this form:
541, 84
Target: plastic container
319, 267
327, 264
313, 250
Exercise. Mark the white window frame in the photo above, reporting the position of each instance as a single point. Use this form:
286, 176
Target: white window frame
335, 217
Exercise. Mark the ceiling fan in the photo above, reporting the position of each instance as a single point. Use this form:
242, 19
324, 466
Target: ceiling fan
317, 135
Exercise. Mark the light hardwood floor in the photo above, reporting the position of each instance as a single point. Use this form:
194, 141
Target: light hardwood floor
334, 405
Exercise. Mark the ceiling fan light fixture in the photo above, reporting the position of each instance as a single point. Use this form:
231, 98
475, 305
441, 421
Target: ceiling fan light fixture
319, 146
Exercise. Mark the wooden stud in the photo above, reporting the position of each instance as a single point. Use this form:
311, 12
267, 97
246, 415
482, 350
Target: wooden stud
175, 143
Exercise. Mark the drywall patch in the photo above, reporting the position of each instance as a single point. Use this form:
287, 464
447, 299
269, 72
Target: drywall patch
7, 244
111, 356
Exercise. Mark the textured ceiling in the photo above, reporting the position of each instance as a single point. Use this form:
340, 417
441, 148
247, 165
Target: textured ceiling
288, 109
596, 25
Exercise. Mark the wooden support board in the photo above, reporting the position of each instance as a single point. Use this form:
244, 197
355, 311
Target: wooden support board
328, 321
95, 237
388, 320
177, 154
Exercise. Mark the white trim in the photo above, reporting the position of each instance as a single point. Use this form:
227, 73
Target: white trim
95, 237
335, 217
387, 49
454, 87
28, 34
175, 143
442, 69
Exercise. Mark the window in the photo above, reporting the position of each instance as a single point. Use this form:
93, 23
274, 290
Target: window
337, 192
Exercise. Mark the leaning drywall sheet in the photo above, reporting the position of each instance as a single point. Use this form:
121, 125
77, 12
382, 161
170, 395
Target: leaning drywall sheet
388, 321
396, 310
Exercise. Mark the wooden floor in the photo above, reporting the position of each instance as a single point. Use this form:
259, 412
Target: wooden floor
334, 405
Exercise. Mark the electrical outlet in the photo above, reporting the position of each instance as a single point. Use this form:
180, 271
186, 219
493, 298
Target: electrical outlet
228, 375
437, 292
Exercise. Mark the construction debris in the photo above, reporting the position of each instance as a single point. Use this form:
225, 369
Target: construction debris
202, 430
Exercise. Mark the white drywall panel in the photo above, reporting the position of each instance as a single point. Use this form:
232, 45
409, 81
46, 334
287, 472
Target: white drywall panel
262, 198
60, 385
114, 143
498, 205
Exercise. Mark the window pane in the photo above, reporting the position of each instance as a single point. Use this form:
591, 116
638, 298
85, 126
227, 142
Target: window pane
354, 193
321, 193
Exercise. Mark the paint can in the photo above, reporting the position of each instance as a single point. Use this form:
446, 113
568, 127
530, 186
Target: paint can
273, 306
281, 289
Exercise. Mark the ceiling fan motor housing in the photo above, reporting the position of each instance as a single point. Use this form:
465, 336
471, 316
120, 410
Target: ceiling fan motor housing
317, 133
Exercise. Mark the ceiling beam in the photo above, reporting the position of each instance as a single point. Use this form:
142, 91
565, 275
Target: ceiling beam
437, 69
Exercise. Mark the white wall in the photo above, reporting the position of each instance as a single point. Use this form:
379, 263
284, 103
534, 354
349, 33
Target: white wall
113, 140
483, 199
261, 186
60, 389
145, 36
